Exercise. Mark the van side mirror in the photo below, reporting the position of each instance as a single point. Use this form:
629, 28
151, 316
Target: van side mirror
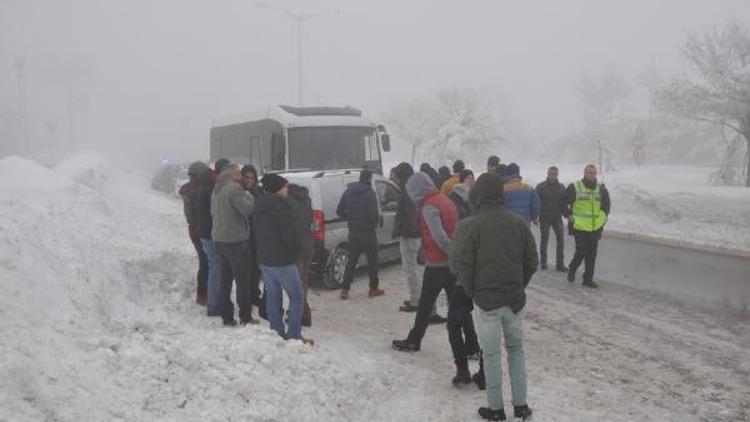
386, 139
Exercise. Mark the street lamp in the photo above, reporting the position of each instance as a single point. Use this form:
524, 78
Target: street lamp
299, 18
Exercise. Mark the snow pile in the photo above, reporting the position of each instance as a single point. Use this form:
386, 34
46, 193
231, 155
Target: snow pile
99, 322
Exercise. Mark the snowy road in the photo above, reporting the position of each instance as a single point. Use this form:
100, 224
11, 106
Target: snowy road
616, 354
700, 277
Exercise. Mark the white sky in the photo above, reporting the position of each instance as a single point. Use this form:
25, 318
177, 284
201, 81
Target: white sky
153, 73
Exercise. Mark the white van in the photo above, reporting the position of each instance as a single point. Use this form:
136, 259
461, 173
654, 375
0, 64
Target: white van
323, 149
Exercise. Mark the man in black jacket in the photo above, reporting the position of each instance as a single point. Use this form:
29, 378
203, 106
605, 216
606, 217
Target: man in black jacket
550, 191
303, 221
278, 250
359, 206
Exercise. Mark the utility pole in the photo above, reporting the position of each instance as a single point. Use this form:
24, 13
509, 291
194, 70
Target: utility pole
299, 18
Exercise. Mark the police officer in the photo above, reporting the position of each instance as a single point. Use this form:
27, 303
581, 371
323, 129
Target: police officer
586, 205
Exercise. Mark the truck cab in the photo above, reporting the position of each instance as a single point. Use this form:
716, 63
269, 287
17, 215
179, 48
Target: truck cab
323, 149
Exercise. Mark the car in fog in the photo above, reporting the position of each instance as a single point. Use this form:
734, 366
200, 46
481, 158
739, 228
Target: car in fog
323, 149
169, 178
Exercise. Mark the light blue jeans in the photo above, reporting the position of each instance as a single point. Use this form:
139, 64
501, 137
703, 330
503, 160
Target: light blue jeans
287, 279
214, 276
492, 325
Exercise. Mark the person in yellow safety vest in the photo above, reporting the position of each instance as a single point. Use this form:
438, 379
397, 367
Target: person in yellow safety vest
586, 205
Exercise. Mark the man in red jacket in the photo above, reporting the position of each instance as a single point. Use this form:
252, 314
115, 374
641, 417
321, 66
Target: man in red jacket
438, 218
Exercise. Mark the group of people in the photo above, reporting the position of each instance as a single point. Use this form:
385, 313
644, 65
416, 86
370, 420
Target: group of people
242, 232
475, 238
470, 237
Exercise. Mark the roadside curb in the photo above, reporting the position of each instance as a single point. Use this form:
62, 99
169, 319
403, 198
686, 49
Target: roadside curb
663, 241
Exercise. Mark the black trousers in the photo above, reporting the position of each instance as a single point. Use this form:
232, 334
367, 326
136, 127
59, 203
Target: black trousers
254, 275
202, 268
557, 227
587, 245
460, 322
235, 265
357, 246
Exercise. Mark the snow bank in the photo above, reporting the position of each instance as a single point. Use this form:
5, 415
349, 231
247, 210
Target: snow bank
99, 322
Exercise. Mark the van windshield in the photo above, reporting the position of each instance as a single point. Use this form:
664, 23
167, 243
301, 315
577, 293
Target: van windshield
331, 148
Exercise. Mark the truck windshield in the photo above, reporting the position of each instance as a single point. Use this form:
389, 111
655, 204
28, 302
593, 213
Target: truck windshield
331, 148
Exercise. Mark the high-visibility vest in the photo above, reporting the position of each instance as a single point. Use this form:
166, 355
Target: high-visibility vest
587, 209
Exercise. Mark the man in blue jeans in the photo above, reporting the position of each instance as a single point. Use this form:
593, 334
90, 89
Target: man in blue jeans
494, 256
278, 249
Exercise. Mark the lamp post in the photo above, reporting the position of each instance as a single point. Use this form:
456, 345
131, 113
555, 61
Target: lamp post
299, 18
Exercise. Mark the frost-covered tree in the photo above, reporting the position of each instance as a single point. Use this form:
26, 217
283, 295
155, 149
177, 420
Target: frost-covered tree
718, 90
455, 123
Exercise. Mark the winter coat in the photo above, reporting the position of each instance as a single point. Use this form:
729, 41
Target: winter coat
521, 199
188, 193
277, 240
437, 219
303, 222
549, 198
447, 187
494, 253
460, 198
231, 205
567, 199
406, 225
206, 184
359, 206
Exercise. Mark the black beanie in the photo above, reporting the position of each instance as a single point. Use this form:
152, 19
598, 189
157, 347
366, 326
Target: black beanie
273, 182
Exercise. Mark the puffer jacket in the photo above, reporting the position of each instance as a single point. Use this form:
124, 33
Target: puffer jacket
521, 199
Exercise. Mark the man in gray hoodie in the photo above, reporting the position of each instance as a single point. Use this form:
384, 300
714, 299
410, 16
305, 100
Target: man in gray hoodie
231, 205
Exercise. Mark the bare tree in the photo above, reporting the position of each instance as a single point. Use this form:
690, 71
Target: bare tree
719, 90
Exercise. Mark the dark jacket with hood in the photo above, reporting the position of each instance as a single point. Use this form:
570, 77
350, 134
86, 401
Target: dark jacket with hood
493, 253
302, 215
206, 184
359, 206
406, 224
277, 240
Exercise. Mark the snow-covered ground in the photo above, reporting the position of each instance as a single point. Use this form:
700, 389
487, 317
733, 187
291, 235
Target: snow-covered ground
99, 324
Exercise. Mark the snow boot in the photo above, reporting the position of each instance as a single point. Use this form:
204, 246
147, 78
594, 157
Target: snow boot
408, 308
492, 415
376, 292
405, 346
436, 318
522, 412
344, 294
571, 275
463, 376
590, 285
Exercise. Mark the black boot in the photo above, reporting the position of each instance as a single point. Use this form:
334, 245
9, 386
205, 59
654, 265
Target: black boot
463, 376
491, 415
405, 346
571, 275
522, 412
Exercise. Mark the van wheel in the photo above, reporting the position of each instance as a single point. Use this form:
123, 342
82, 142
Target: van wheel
334, 276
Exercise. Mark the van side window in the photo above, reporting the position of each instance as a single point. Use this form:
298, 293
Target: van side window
388, 196
278, 152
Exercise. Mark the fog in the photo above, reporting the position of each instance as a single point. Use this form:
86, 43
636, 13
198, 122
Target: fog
143, 79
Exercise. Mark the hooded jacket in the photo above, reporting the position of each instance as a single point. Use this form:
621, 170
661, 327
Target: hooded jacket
406, 224
231, 205
277, 240
460, 198
521, 199
437, 219
206, 184
299, 198
188, 193
494, 253
359, 206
